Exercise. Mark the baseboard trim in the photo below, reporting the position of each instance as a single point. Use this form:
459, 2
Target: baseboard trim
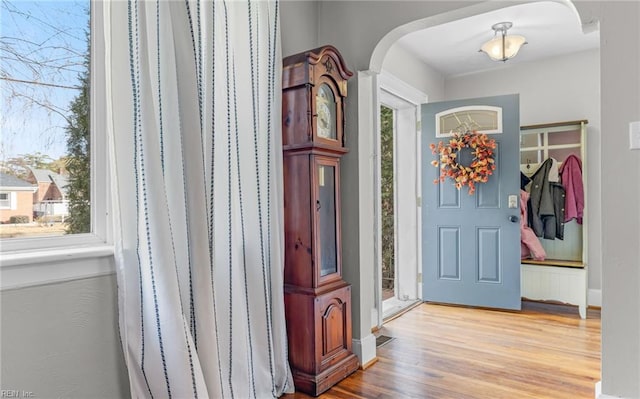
594, 298
600, 395
365, 349
369, 364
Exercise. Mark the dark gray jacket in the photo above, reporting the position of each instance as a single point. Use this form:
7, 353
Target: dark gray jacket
546, 204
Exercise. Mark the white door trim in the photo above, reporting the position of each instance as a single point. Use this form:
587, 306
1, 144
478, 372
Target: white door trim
405, 100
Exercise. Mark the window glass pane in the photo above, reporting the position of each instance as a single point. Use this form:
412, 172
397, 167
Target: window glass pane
44, 146
469, 119
530, 157
568, 137
531, 140
562, 153
5, 200
327, 219
326, 110
485, 120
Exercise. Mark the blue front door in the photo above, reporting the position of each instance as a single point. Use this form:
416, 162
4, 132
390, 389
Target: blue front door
471, 243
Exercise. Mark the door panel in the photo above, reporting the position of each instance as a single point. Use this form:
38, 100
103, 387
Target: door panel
488, 246
488, 194
448, 196
471, 250
449, 253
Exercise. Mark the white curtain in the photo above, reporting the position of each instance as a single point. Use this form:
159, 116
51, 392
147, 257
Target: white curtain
194, 99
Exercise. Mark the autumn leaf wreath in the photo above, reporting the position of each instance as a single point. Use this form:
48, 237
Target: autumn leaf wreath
478, 170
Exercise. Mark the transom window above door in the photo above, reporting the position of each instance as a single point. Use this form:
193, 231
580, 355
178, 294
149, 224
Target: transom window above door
481, 118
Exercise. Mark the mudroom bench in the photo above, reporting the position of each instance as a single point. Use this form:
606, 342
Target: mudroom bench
555, 280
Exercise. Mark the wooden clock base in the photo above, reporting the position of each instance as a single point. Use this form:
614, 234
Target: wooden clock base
317, 384
319, 333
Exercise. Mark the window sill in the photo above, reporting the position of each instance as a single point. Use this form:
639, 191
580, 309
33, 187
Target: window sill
20, 269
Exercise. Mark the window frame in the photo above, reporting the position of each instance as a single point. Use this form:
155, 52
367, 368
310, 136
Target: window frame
18, 252
469, 108
7, 200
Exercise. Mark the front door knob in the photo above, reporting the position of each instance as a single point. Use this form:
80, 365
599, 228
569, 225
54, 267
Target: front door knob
514, 219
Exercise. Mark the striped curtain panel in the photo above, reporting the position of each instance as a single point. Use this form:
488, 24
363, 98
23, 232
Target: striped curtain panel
193, 97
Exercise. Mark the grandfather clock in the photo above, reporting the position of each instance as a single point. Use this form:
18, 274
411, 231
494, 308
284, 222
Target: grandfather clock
317, 299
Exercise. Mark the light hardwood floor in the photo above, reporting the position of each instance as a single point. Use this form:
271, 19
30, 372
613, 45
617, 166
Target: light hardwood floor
438, 351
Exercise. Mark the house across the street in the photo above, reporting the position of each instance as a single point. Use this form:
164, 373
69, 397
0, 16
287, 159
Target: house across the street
51, 197
16, 198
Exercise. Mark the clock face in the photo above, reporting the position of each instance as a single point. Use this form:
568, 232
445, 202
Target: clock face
326, 110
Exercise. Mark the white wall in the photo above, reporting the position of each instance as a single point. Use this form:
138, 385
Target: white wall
61, 340
299, 26
620, 101
559, 89
552, 90
404, 66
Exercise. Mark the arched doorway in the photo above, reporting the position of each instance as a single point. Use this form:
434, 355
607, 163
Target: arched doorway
369, 83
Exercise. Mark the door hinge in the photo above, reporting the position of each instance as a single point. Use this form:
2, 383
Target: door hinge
418, 202
419, 126
420, 277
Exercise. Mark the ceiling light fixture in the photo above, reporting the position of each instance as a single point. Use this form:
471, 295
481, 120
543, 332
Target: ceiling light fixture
503, 47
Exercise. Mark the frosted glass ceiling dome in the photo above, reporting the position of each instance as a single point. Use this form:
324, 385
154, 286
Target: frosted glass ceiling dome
503, 47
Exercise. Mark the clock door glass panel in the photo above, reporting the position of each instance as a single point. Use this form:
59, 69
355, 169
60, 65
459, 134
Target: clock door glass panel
326, 208
326, 110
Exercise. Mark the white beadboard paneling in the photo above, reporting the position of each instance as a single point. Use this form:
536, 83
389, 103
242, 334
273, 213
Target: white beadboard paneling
564, 284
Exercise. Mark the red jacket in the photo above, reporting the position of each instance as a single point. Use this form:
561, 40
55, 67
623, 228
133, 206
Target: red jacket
571, 175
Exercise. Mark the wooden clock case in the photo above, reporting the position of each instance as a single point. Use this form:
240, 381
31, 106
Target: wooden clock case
317, 299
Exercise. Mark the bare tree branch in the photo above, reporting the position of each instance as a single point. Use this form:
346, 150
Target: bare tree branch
31, 82
11, 8
48, 106
42, 55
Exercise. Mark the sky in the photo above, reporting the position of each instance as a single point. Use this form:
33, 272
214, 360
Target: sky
41, 42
